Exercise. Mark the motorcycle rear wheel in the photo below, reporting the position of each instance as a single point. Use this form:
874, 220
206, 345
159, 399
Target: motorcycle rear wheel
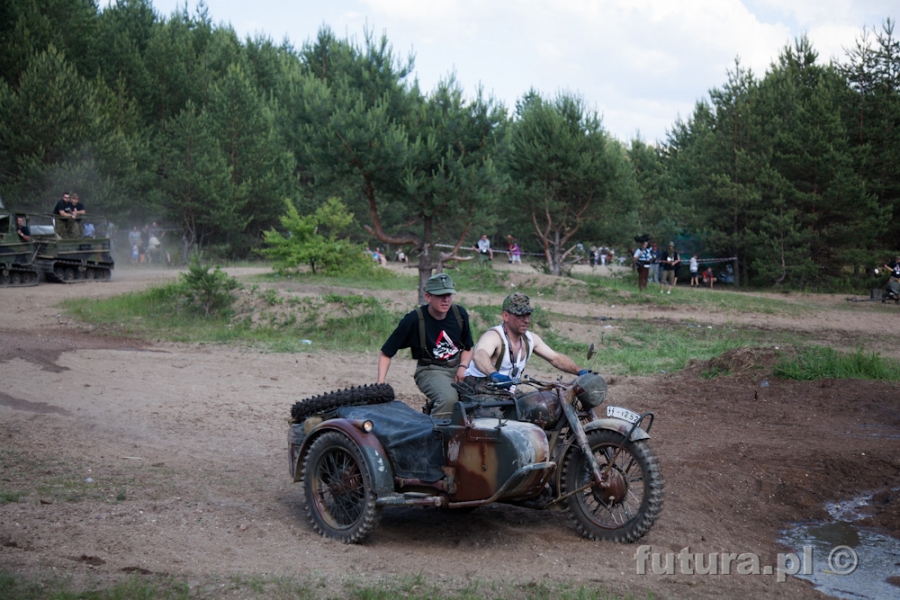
338, 488
627, 509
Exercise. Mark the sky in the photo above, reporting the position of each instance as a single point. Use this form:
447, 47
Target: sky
640, 64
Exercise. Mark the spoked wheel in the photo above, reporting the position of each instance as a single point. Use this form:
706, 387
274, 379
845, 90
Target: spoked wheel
89, 273
340, 500
624, 509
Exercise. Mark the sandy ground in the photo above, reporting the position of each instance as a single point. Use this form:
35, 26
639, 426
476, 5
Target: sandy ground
141, 457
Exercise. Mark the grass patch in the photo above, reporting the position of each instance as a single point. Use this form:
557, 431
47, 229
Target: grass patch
623, 290
417, 587
13, 587
341, 322
637, 347
54, 480
7, 497
817, 362
382, 279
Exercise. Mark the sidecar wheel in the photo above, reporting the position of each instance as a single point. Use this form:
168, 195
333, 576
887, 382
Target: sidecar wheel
626, 509
340, 501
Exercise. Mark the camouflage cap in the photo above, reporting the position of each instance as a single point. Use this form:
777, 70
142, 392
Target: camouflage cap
517, 304
439, 285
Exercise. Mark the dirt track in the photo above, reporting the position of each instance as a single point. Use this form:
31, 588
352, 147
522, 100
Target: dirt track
185, 450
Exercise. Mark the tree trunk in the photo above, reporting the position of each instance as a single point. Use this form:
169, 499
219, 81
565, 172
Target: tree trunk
556, 264
425, 258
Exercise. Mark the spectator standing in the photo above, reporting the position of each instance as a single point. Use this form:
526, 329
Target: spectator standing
669, 260
157, 231
642, 259
153, 250
145, 242
515, 255
695, 267
134, 242
654, 263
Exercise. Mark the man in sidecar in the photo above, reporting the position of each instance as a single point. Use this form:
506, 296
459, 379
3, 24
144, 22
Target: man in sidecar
503, 351
440, 339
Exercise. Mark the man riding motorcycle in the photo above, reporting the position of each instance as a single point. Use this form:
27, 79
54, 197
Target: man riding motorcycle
893, 286
503, 351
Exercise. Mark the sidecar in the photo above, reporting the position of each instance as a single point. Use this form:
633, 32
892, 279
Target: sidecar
359, 450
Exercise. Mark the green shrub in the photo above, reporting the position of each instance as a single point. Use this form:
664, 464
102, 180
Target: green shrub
209, 290
818, 362
314, 240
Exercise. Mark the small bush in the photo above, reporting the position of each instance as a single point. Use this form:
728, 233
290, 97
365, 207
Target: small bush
209, 290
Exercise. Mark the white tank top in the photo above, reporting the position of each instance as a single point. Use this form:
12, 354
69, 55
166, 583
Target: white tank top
506, 365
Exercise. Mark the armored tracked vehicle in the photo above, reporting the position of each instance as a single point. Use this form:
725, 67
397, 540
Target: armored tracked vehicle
17, 257
64, 259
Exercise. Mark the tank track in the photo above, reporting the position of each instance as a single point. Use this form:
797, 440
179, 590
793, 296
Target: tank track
376, 393
18, 276
66, 271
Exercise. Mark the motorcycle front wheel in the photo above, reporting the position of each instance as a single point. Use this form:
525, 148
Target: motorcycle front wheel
340, 500
626, 508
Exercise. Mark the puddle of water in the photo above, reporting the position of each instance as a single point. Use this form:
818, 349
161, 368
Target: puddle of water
835, 547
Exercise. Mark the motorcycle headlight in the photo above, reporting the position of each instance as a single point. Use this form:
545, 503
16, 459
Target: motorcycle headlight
593, 390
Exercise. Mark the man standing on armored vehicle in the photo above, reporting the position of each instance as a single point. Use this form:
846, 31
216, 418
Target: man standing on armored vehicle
440, 339
503, 351
63, 216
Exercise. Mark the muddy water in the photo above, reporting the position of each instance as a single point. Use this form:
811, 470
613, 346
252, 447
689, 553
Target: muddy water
847, 561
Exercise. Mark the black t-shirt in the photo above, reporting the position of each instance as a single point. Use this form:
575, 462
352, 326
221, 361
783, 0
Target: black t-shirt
62, 206
24, 231
895, 269
77, 206
443, 339
669, 255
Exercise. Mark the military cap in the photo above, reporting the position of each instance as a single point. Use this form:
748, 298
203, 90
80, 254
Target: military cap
517, 304
439, 285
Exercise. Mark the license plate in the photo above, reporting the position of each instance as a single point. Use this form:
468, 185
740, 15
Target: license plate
617, 412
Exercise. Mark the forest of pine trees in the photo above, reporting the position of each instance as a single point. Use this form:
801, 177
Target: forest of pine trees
795, 171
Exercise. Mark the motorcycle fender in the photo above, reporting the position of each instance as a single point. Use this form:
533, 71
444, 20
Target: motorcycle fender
619, 426
371, 449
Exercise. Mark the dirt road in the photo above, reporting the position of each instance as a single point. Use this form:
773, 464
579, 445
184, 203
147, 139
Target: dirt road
128, 457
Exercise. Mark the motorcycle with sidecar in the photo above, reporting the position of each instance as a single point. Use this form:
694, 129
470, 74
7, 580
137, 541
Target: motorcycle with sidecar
531, 443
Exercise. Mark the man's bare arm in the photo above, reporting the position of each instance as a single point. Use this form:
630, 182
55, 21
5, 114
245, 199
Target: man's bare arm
384, 363
486, 350
558, 360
